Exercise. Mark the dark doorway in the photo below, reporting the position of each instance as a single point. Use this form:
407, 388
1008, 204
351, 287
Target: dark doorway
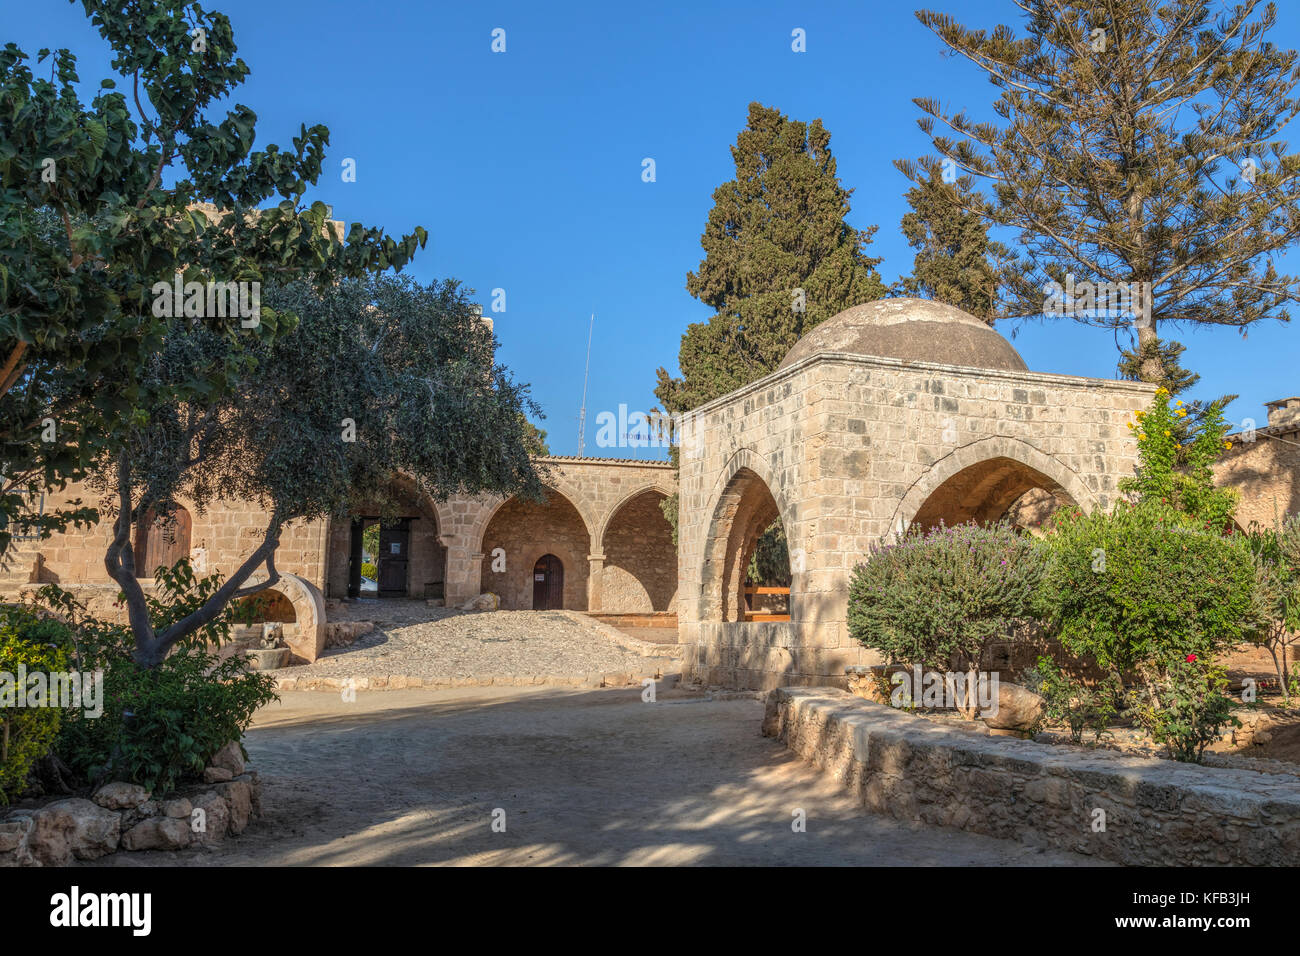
548, 584
394, 558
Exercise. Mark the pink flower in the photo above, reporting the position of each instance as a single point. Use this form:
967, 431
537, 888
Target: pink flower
1191, 658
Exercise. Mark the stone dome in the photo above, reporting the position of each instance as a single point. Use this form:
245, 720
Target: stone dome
914, 330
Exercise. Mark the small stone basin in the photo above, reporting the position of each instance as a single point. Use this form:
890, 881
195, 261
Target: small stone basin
267, 658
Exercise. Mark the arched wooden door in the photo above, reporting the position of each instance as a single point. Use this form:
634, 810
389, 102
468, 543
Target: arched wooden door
548, 584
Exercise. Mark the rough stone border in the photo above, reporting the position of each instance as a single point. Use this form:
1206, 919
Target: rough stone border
1157, 812
405, 682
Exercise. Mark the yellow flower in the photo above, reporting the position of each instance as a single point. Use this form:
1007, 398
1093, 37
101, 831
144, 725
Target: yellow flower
1179, 402
1181, 413
1140, 415
1227, 444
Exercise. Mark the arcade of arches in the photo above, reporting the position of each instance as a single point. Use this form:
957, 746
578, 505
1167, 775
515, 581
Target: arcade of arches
893, 414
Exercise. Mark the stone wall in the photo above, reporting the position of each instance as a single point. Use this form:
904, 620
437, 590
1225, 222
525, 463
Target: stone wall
851, 448
221, 538
1265, 467
597, 489
1156, 812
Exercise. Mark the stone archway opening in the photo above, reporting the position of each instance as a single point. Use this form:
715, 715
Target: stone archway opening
637, 577
519, 534
744, 549
994, 490
390, 548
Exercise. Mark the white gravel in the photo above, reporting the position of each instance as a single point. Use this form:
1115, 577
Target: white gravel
417, 641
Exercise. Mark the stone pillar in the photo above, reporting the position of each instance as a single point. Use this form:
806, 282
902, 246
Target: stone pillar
464, 573
595, 564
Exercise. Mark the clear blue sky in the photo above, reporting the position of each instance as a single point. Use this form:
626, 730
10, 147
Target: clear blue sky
525, 167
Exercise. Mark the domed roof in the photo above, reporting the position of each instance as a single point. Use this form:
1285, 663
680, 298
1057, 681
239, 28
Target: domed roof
915, 330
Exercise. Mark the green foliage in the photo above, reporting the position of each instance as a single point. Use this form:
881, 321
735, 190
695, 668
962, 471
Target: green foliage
769, 565
937, 598
1180, 474
162, 725
1186, 710
776, 228
1276, 552
1096, 174
1143, 585
370, 570
1072, 702
27, 733
956, 262
100, 201
535, 440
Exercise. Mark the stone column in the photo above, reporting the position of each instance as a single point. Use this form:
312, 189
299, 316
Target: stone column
595, 564
464, 573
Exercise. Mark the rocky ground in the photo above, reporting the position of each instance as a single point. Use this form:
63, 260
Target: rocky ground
444, 646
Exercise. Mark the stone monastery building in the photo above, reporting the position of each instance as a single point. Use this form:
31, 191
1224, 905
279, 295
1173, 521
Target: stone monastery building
894, 413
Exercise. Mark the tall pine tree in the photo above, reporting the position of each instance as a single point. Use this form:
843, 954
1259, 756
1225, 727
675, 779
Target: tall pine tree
778, 259
1137, 142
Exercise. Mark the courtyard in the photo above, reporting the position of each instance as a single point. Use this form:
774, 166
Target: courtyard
585, 777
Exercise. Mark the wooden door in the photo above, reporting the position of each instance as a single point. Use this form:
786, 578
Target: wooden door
548, 584
394, 559
162, 544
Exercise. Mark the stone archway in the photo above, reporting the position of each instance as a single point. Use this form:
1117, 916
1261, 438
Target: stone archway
982, 481
518, 532
299, 605
639, 569
745, 507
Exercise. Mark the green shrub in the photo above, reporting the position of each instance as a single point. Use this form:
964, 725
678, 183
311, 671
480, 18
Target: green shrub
1072, 702
370, 570
1141, 587
1186, 709
938, 598
163, 724
1276, 552
27, 733
1175, 463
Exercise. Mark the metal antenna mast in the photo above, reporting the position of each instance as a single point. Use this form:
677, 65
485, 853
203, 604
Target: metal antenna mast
582, 412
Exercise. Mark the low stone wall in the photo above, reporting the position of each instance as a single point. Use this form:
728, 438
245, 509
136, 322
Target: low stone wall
1156, 812
126, 817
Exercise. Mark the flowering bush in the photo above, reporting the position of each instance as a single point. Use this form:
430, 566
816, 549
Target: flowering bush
1186, 708
937, 598
1179, 474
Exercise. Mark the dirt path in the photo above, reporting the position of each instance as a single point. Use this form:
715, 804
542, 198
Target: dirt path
584, 777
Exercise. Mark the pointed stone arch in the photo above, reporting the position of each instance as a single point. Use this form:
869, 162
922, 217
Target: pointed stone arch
991, 474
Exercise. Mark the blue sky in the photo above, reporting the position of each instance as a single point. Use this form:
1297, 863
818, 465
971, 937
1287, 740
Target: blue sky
525, 166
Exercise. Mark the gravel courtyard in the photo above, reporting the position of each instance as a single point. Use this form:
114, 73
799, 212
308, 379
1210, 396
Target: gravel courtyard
583, 777
438, 646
